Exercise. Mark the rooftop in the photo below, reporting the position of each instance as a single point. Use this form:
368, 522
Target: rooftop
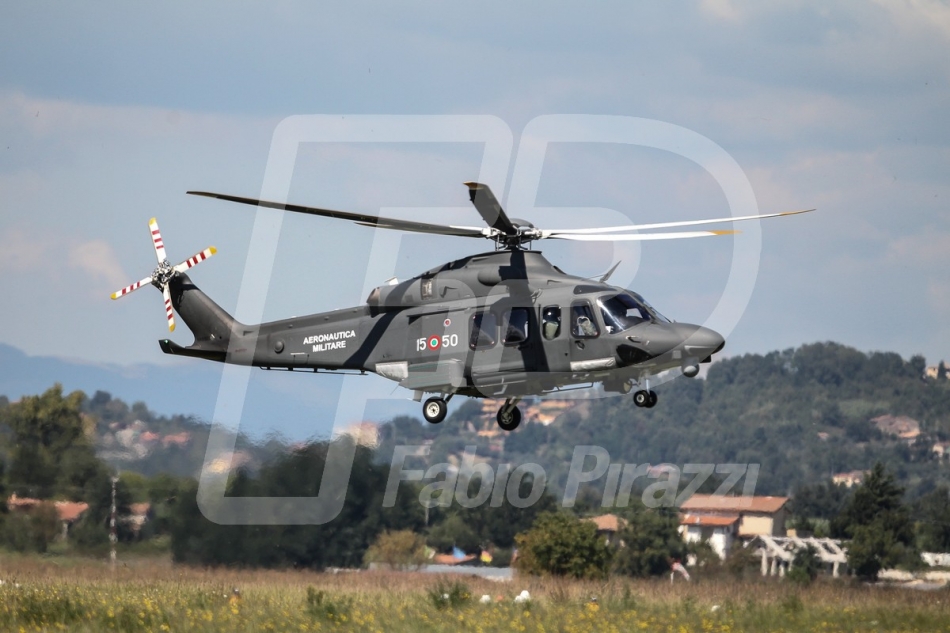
607, 522
720, 503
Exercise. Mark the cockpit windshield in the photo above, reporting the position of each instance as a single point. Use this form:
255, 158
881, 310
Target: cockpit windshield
653, 311
623, 311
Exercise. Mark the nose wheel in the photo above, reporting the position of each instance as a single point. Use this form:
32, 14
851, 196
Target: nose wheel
646, 399
434, 410
509, 415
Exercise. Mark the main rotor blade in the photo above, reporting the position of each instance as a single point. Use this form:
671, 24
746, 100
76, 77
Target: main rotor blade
636, 237
195, 260
168, 308
488, 207
667, 225
132, 288
363, 219
157, 240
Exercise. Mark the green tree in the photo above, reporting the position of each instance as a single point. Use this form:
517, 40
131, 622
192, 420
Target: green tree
941, 371
52, 453
400, 549
92, 530
651, 540
560, 544
341, 542
866, 551
32, 530
933, 528
454, 532
879, 525
805, 566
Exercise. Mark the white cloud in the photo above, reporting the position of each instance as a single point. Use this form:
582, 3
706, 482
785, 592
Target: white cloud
722, 9
919, 15
97, 259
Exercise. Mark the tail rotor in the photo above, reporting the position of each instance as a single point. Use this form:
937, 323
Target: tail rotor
165, 272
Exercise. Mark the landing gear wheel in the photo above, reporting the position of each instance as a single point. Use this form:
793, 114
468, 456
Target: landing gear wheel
641, 398
653, 400
509, 417
434, 410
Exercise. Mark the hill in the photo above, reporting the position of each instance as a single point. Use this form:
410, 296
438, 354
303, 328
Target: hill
802, 414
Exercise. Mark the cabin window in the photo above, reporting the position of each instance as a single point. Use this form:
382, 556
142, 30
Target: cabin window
484, 331
582, 321
551, 322
516, 326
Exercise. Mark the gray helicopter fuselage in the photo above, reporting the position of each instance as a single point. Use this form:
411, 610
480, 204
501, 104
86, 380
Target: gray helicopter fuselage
504, 323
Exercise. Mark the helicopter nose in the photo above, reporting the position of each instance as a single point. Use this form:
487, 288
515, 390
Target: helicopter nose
696, 342
703, 342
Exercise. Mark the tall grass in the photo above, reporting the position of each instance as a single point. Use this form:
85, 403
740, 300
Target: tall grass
79, 595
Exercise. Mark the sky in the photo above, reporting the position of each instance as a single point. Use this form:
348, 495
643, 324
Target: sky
110, 112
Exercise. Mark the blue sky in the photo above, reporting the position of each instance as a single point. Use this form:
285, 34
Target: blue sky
110, 112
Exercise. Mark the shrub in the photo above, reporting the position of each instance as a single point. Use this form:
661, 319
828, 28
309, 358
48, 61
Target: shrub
560, 544
444, 595
32, 531
403, 549
805, 566
321, 605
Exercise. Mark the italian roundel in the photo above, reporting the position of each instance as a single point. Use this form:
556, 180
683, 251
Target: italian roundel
434, 342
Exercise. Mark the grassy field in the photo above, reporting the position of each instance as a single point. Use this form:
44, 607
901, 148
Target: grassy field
80, 595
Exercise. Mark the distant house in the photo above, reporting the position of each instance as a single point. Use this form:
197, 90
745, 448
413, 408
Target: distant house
849, 479
941, 450
139, 515
68, 512
607, 526
901, 426
757, 515
718, 530
364, 433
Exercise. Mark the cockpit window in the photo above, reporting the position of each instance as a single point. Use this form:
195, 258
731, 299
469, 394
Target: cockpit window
622, 312
653, 311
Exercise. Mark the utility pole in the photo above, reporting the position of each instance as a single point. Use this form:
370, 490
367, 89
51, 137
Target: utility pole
113, 537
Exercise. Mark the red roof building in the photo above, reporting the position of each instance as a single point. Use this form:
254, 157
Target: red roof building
757, 515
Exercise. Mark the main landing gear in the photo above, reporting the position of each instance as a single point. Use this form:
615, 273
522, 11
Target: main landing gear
643, 398
434, 410
509, 415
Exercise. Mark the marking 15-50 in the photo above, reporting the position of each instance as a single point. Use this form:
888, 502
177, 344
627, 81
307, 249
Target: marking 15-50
433, 343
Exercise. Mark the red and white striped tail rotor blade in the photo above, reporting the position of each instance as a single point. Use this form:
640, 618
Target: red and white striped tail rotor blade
169, 312
157, 240
195, 259
132, 288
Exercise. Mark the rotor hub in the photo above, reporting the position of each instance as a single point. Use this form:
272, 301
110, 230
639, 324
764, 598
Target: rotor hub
162, 274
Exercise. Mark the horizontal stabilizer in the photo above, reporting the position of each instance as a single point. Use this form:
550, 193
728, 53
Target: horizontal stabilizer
197, 350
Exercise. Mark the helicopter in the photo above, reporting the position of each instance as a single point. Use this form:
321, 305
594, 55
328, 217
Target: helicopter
506, 323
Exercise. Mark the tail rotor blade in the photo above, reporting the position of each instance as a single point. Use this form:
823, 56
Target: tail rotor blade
132, 288
195, 259
157, 240
169, 312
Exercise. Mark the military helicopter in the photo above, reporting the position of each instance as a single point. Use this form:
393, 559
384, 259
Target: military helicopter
502, 324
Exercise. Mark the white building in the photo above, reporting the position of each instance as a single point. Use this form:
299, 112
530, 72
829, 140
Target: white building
719, 531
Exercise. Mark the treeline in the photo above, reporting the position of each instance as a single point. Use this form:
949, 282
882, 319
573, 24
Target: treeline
47, 453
